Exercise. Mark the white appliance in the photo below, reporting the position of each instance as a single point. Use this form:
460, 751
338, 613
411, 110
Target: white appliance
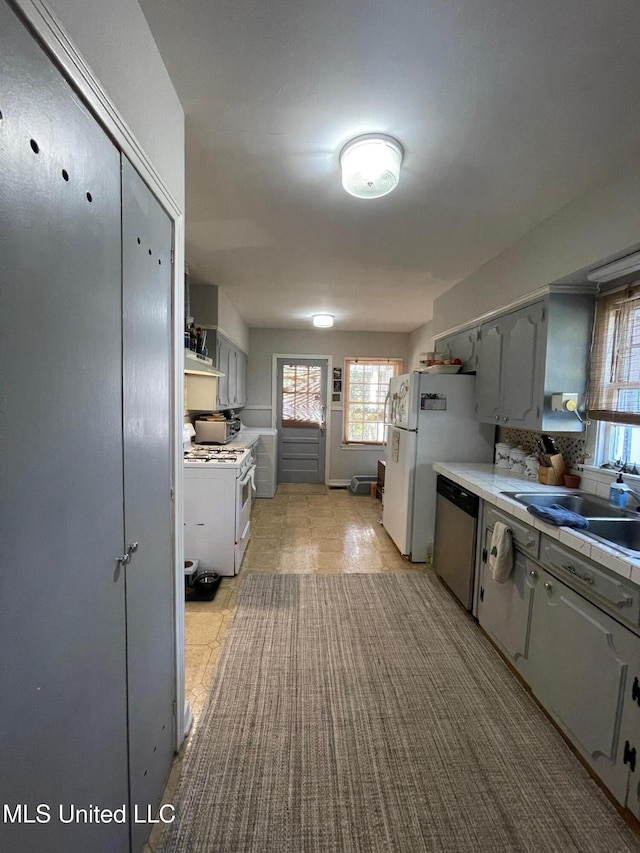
265, 443
432, 419
218, 487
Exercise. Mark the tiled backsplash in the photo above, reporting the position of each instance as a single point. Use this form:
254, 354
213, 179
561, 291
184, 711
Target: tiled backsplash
572, 447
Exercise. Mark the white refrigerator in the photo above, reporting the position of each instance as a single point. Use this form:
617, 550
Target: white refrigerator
432, 419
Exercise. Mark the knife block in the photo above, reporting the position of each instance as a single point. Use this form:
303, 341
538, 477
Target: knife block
551, 475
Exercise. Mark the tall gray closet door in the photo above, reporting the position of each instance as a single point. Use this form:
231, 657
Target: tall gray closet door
63, 713
146, 271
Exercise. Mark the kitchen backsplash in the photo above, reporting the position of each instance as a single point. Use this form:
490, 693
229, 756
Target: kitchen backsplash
571, 446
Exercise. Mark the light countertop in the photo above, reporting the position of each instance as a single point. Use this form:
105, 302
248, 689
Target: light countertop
488, 482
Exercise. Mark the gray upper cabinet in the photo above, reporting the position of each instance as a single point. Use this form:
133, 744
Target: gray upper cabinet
223, 349
509, 361
462, 345
527, 355
228, 358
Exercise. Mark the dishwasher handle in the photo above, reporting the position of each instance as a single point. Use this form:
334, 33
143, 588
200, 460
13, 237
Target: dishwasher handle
464, 500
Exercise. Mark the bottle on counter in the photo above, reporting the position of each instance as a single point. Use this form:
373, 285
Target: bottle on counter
618, 492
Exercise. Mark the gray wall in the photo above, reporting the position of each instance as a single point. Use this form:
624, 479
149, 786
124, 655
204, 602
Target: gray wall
263, 343
602, 223
420, 340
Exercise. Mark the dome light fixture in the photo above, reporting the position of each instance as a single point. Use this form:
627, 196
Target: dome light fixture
323, 321
371, 165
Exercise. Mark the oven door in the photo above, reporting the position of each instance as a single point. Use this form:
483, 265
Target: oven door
244, 492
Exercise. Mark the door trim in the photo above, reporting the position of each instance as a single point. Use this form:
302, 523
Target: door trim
61, 49
274, 398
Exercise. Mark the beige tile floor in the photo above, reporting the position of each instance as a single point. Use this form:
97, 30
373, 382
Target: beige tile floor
303, 529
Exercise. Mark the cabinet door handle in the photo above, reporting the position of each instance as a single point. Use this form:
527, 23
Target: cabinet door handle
505, 420
497, 417
123, 559
572, 570
530, 543
132, 547
548, 585
533, 573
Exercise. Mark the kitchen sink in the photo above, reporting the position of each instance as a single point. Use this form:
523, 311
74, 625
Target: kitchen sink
624, 532
614, 525
590, 506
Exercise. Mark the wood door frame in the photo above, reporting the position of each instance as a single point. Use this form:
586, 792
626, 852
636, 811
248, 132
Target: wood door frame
274, 398
80, 75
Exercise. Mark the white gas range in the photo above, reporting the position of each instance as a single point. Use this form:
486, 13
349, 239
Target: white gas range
218, 490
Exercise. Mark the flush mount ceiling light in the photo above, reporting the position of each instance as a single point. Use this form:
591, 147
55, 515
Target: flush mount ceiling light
371, 165
323, 321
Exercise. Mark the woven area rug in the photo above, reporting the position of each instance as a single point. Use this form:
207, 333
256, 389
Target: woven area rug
367, 713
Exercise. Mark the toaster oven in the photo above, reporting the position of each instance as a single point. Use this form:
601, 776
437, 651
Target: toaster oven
218, 431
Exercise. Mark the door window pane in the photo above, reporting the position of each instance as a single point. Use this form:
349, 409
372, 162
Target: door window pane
301, 395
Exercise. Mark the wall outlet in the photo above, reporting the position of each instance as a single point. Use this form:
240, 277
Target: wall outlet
564, 402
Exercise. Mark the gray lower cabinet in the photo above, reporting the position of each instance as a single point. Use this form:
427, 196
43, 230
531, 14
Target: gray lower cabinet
504, 609
578, 655
582, 664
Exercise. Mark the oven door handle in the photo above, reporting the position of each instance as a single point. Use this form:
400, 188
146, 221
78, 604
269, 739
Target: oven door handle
249, 476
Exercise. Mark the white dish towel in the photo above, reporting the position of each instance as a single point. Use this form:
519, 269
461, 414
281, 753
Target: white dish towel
501, 553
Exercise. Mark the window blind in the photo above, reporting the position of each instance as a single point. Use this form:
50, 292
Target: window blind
614, 379
301, 395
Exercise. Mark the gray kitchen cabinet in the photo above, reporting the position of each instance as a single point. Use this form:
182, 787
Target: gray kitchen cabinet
228, 358
86, 610
241, 379
232, 362
582, 665
223, 363
510, 357
462, 345
526, 355
504, 609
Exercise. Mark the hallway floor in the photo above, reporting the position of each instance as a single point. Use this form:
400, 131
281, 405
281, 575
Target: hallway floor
304, 528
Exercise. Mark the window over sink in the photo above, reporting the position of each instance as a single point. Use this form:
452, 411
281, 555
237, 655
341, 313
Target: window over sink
614, 382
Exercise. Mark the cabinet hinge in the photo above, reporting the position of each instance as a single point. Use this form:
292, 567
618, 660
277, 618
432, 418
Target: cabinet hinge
481, 593
635, 691
629, 755
171, 256
538, 412
543, 314
173, 494
484, 555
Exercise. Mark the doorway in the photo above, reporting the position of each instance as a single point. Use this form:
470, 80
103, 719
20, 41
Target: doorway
301, 419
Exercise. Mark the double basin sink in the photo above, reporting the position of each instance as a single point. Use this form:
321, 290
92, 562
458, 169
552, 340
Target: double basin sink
613, 525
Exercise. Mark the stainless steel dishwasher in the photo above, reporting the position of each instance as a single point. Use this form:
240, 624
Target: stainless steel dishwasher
454, 546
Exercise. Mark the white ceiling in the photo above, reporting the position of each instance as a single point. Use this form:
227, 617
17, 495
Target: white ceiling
506, 109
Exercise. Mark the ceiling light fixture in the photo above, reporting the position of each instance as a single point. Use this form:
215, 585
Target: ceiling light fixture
323, 321
371, 165
616, 269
